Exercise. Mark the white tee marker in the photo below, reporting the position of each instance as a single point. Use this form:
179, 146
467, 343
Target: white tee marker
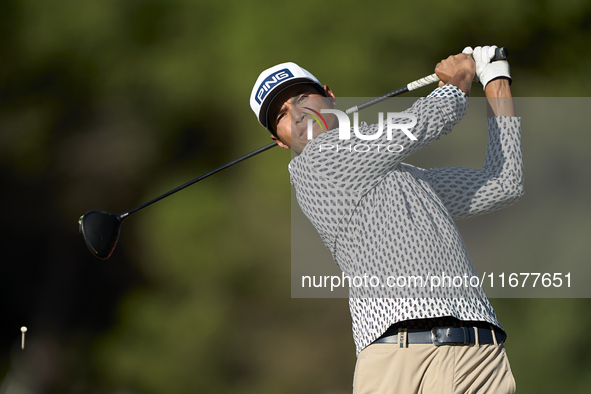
23, 330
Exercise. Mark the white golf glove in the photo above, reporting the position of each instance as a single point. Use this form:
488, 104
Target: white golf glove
486, 70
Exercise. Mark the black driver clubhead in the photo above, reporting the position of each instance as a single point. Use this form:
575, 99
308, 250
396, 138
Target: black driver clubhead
100, 230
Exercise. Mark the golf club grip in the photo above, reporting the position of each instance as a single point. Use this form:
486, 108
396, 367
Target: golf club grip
500, 54
419, 83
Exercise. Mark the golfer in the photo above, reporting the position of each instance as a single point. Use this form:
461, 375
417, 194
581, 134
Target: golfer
382, 218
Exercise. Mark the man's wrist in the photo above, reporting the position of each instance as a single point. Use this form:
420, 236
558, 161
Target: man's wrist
499, 87
462, 80
500, 102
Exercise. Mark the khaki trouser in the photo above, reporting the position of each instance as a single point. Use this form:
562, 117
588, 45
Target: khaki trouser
429, 369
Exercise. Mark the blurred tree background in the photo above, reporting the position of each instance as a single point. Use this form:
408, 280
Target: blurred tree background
106, 104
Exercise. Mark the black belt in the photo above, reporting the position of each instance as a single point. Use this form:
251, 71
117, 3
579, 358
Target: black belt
443, 336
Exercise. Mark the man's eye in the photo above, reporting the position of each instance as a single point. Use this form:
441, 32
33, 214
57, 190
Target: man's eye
301, 98
279, 117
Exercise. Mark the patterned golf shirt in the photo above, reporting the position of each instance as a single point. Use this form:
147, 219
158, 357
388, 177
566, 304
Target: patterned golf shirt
385, 219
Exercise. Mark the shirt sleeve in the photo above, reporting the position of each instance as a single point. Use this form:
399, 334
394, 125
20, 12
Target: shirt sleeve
341, 162
467, 192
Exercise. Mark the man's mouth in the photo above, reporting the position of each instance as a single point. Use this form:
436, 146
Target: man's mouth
301, 131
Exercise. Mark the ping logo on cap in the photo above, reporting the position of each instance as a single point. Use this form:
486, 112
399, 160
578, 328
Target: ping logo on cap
271, 81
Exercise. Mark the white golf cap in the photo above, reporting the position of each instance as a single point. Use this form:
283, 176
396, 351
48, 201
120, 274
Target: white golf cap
273, 81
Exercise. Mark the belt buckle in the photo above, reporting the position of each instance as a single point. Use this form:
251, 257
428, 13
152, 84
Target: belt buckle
442, 336
435, 336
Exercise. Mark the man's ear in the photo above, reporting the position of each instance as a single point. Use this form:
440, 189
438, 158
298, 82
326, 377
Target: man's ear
330, 94
278, 141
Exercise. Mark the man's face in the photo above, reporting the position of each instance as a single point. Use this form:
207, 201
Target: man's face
290, 110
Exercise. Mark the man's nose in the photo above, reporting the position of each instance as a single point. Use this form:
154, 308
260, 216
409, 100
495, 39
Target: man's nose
297, 113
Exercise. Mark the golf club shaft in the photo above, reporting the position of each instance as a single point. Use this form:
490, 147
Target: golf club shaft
223, 167
419, 83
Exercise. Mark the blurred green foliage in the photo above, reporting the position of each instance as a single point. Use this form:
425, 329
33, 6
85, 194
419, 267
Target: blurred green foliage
106, 104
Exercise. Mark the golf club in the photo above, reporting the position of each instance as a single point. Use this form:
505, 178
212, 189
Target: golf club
101, 229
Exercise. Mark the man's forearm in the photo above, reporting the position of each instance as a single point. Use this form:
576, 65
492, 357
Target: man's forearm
500, 101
